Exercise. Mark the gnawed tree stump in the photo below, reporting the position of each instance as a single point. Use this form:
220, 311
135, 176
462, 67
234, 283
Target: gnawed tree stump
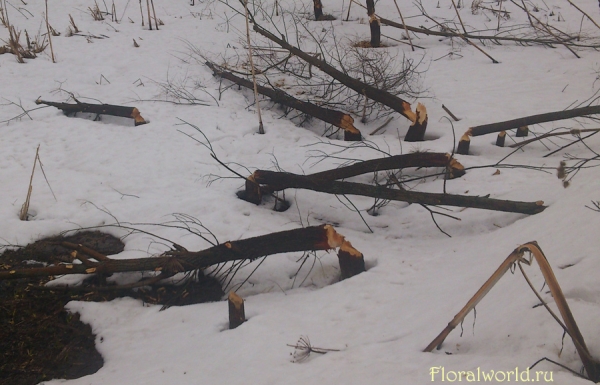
418, 118
100, 109
374, 24
500, 139
522, 131
351, 260
334, 117
237, 314
318, 8
463, 147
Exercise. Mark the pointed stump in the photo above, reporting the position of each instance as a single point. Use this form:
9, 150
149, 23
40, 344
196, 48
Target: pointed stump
237, 315
351, 260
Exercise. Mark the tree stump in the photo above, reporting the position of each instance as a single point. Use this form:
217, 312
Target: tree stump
501, 138
351, 260
237, 315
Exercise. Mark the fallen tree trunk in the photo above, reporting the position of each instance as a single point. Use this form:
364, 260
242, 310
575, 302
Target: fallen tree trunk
305, 239
104, 109
253, 192
337, 118
525, 121
396, 162
418, 118
276, 181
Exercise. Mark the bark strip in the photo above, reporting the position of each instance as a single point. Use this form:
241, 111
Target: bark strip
104, 109
277, 181
322, 237
337, 118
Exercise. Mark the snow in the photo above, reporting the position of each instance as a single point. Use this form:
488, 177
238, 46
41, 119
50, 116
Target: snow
417, 278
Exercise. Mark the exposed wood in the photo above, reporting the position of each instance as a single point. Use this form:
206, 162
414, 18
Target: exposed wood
399, 105
352, 261
104, 109
526, 121
337, 118
501, 139
305, 239
237, 314
416, 132
591, 365
281, 180
374, 24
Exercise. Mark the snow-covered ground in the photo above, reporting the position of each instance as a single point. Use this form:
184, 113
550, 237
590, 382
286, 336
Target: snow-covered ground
417, 278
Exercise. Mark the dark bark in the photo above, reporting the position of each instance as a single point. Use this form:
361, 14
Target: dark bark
337, 118
280, 180
522, 131
318, 7
352, 261
104, 109
525, 121
533, 119
463, 145
399, 105
501, 139
237, 313
374, 24
396, 162
305, 239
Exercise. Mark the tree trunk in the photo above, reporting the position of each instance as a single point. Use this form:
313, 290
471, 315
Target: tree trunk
305, 239
237, 314
318, 6
337, 118
527, 121
374, 24
418, 118
104, 109
280, 180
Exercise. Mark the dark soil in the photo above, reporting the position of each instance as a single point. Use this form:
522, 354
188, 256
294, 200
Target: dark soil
39, 340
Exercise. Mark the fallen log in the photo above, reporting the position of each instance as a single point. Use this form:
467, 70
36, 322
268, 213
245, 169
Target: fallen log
253, 192
103, 109
525, 121
415, 159
418, 118
313, 238
276, 181
337, 118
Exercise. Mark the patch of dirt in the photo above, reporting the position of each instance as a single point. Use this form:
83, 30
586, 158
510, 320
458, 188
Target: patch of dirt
39, 339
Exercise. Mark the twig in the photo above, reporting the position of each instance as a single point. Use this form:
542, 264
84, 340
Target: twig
450, 113
25, 207
405, 29
585, 14
574, 132
49, 34
261, 129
